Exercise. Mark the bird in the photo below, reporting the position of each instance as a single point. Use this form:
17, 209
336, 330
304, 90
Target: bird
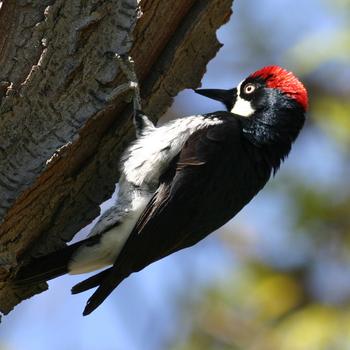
182, 180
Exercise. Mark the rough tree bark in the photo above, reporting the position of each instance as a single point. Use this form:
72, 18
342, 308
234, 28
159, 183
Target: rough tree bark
60, 135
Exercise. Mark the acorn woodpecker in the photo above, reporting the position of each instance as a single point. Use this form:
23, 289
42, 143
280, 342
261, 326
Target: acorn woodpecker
183, 180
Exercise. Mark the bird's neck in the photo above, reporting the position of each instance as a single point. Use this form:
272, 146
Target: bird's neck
273, 134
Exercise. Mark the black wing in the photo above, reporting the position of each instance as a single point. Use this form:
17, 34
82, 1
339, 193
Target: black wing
211, 179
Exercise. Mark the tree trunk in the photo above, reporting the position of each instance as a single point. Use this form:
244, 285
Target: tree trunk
60, 134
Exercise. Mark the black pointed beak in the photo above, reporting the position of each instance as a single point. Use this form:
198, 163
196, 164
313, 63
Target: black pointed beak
227, 97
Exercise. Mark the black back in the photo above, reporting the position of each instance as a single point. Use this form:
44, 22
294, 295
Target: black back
216, 174
218, 171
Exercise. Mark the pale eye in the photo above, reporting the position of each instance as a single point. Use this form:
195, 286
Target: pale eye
249, 88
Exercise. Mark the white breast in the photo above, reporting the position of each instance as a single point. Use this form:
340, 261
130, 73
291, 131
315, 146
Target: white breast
146, 159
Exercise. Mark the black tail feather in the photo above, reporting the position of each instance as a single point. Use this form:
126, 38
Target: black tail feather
110, 281
40, 277
46, 267
90, 282
55, 264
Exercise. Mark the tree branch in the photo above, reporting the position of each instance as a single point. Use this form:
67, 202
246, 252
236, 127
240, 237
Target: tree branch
60, 137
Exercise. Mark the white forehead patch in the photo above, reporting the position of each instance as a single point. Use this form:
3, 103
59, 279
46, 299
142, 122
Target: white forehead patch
242, 107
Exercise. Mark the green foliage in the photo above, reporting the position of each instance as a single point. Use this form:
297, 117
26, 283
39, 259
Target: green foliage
266, 310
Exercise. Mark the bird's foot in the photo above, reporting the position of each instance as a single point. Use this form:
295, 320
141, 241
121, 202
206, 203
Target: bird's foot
127, 66
141, 122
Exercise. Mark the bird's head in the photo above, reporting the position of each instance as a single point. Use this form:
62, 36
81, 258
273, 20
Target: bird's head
269, 88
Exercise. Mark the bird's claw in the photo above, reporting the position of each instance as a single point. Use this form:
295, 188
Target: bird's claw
127, 65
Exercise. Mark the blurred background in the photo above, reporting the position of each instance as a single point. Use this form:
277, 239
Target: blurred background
277, 277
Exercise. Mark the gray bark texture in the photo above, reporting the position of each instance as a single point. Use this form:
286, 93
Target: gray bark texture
60, 134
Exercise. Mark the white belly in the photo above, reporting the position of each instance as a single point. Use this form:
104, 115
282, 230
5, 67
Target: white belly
106, 251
